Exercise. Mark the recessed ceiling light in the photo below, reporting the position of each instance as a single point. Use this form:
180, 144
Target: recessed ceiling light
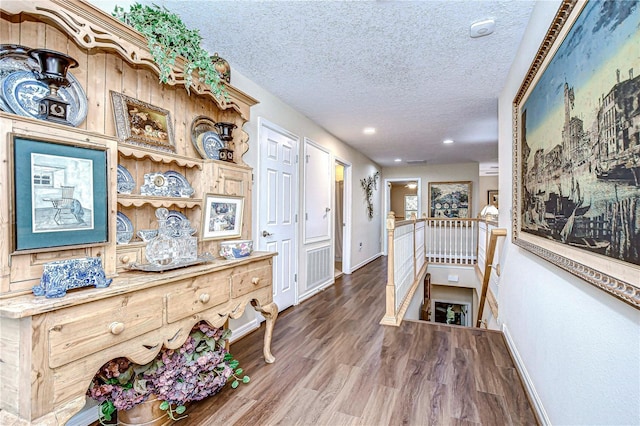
369, 130
447, 141
397, 160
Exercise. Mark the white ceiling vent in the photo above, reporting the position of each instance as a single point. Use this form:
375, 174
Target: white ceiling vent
416, 162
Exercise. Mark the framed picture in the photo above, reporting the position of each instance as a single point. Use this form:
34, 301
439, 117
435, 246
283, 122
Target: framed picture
60, 194
142, 124
576, 149
222, 217
492, 197
450, 200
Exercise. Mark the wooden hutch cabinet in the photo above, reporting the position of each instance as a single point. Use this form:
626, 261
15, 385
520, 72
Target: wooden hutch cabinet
50, 348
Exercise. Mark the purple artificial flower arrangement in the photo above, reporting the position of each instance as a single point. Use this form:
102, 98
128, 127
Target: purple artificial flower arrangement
198, 369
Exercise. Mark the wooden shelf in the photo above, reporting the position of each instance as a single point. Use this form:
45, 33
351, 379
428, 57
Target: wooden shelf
140, 153
143, 200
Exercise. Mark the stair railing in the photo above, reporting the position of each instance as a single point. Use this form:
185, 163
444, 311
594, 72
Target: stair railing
488, 264
406, 265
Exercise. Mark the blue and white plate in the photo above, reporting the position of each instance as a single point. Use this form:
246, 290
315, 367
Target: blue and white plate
124, 229
174, 221
22, 93
211, 144
12, 60
178, 185
125, 181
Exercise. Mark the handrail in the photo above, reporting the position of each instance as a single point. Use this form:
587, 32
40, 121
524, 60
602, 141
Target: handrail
491, 251
406, 264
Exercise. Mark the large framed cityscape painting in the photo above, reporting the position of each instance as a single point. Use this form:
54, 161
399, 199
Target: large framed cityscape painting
577, 147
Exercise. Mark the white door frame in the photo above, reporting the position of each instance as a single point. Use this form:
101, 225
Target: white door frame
264, 123
387, 203
346, 213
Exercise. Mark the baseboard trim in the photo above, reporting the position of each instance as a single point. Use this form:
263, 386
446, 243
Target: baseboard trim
365, 262
540, 412
245, 329
315, 291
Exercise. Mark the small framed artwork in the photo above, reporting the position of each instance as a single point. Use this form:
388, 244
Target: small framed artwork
450, 200
492, 197
140, 123
60, 194
222, 217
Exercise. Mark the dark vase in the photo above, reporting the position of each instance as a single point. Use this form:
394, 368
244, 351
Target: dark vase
53, 72
225, 130
53, 66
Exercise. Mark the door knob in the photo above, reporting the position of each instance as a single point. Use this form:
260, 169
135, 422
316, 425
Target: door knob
266, 234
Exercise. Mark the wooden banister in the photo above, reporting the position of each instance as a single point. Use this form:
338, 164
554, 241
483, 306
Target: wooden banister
491, 251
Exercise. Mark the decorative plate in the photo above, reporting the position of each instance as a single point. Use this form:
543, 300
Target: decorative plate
200, 125
22, 93
174, 220
178, 185
13, 58
211, 144
124, 229
125, 181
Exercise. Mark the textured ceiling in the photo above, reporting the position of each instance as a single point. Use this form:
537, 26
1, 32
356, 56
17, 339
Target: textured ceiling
407, 68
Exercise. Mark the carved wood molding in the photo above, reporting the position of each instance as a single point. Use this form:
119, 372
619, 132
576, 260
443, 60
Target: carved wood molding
92, 28
141, 153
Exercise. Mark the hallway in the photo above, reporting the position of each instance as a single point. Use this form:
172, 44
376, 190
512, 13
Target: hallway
336, 365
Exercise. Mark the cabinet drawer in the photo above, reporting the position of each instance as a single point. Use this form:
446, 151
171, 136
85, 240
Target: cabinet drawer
250, 280
124, 256
82, 330
197, 295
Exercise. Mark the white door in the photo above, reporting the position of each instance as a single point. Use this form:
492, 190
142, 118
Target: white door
277, 189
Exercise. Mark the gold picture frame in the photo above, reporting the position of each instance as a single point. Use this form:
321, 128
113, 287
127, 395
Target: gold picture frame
576, 153
450, 200
143, 124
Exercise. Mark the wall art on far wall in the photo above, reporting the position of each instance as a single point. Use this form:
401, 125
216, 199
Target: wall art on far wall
577, 147
140, 123
222, 217
492, 197
450, 199
60, 196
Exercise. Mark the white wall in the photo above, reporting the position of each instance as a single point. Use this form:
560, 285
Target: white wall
580, 346
485, 183
441, 173
277, 112
274, 110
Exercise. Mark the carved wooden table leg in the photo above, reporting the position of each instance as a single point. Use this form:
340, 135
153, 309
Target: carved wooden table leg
270, 313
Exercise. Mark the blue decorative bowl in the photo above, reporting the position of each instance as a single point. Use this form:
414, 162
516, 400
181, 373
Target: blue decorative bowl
236, 249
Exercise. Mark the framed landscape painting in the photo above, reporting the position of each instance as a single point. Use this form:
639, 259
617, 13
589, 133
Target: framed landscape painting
577, 147
450, 200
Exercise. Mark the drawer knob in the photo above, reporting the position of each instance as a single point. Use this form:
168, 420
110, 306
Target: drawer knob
255, 280
116, 328
204, 297
124, 259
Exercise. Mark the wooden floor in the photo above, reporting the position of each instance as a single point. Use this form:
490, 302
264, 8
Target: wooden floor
335, 365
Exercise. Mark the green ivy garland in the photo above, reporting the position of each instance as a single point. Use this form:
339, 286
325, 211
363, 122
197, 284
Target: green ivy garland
168, 37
